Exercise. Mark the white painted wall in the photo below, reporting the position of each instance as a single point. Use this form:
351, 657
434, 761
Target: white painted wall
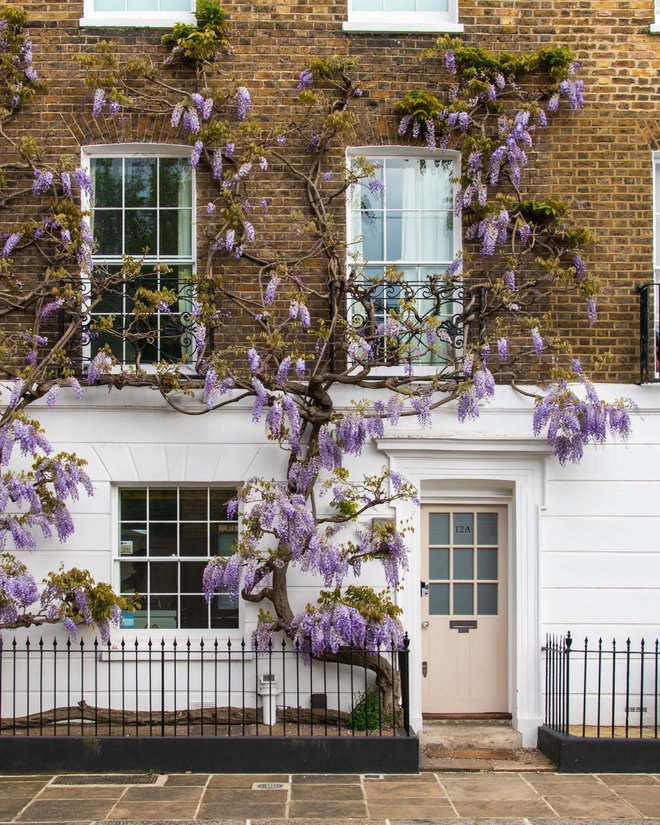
585, 540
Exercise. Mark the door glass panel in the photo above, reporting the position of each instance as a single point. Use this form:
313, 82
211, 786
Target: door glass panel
487, 563
464, 564
463, 600
487, 599
439, 599
439, 528
439, 563
463, 528
487, 528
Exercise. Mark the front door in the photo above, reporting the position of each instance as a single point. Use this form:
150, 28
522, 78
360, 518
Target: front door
464, 610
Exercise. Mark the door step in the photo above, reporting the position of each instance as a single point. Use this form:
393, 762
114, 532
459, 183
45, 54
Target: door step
462, 734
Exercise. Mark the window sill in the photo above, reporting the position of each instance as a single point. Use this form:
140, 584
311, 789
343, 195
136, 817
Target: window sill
654, 28
403, 27
127, 21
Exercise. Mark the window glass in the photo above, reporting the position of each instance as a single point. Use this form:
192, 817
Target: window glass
406, 224
143, 206
166, 535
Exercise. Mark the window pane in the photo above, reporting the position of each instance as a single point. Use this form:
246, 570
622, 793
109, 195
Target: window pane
175, 232
435, 184
487, 528
194, 505
141, 5
367, 5
463, 564
439, 563
140, 181
402, 236
224, 611
133, 540
439, 599
400, 184
108, 5
194, 539
175, 5
194, 611
487, 563
463, 528
175, 182
219, 500
370, 227
163, 612
436, 236
191, 576
162, 540
433, 5
439, 528
162, 505
106, 226
226, 539
487, 599
133, 577
398, 5
164, 577
141, 232
132, 505
106, 172
463, 600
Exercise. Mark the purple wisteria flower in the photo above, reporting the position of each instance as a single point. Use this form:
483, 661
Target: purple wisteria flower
305, 79
10, 244
502, 349
99, 102
43, 181
243, 103
591, 311
537, 341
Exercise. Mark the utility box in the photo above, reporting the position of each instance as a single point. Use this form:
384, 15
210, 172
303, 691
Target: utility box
269, 691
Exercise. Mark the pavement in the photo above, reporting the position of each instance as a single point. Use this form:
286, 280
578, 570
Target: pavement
429, 798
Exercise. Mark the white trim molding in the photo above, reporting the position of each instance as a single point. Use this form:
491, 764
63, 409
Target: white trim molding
433, 22
511, 471
128, 19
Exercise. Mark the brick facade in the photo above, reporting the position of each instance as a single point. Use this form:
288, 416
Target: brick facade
599, 158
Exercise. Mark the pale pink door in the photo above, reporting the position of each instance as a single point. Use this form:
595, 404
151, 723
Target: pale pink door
464, 610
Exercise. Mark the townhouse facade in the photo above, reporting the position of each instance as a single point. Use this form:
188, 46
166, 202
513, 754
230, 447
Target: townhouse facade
507, 544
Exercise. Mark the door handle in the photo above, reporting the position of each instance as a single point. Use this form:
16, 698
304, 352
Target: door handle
423, 589
425, 623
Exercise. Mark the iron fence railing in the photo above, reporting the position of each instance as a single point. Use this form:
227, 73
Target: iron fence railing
649, 333
217, 688
602, 690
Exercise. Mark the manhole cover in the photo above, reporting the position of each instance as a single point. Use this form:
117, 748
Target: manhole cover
270, 786
372, 776
107, 779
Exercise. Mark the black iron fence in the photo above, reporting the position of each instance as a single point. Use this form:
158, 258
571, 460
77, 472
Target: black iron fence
218, 688
649, 333
602, 690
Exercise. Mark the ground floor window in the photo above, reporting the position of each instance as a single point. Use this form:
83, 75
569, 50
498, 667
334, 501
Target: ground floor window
166, 537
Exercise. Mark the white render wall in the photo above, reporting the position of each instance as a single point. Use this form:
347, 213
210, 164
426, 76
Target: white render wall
585, 540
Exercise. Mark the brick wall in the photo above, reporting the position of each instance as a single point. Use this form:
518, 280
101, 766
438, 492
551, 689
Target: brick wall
600, 158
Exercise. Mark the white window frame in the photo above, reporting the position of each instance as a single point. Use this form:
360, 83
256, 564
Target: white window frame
144, 19
134, 150
377, 152
654, 28
404, 22
170, 633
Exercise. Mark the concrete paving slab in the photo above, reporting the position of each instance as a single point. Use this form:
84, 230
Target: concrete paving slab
186, 779
502, 808
62, 810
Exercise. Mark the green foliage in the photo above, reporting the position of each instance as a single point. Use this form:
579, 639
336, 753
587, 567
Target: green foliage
101, 598
373, 605
368, 712
419, 104
541, 212
201, 44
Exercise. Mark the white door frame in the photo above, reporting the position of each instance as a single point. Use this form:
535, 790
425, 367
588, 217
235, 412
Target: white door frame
481, 470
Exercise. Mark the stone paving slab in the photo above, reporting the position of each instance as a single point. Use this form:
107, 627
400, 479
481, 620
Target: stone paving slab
522, 798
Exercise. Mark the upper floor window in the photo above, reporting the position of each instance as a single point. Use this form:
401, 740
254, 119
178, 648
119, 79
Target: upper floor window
403, 219
403, 16
155, 13
656, 216
143, 207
